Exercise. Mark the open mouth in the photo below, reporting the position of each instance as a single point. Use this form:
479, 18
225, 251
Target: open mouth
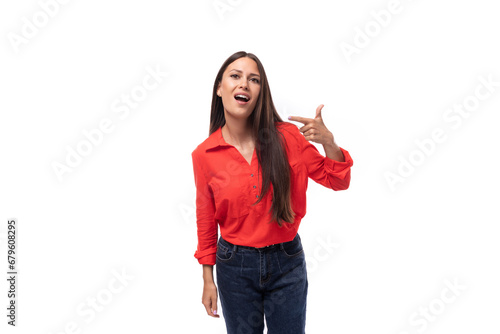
242, 99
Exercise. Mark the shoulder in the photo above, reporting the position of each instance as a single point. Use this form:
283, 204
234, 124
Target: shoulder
199, 152
289, 130
286, 126
209, 142
291, 135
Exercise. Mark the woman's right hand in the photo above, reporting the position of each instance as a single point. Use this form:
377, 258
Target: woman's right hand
209, 299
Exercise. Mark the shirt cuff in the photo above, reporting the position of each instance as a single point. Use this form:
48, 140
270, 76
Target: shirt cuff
209, 259
206, 256
339, 168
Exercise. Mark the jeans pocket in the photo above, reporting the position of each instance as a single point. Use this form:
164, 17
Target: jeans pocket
224, 253
293, 248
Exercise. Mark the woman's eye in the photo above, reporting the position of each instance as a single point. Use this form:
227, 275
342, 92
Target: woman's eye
236, 76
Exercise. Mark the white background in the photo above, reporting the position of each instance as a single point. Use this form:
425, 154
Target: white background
129, 204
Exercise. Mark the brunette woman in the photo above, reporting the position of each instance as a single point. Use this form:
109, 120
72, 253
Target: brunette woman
251, 177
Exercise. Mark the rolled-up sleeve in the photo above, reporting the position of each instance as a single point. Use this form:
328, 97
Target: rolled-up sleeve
205, 216
330, 173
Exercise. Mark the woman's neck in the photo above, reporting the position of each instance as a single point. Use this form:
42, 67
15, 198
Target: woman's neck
238, 134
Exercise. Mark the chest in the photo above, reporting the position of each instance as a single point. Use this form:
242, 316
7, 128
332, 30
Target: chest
246, 153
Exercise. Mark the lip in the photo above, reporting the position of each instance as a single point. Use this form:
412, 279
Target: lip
242, 102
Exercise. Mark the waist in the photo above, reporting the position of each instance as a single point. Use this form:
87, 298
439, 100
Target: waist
255, 249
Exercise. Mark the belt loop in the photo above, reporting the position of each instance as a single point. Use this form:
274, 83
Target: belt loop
235, 248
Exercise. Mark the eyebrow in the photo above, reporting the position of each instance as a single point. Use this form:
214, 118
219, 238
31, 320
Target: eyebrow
242, 72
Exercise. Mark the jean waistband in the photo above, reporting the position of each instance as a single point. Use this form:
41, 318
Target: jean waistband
258, 249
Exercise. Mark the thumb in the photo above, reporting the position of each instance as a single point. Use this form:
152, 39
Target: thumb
318, 111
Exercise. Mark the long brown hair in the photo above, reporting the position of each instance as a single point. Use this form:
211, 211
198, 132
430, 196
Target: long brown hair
270, 144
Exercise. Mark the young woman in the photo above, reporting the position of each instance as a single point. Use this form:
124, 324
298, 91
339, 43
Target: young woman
251, 178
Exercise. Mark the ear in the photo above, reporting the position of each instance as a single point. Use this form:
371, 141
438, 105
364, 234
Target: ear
218, 90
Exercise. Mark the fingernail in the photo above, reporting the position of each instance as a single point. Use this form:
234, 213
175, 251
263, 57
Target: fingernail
215, 312
289, 117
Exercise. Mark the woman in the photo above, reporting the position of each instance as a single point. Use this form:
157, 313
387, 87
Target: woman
251, 178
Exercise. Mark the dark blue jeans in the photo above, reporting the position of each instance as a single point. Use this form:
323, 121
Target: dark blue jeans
256, 282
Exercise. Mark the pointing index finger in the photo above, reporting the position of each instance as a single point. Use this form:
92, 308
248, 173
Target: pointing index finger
303, 120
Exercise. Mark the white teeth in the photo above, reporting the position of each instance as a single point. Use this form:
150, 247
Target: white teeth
243, 96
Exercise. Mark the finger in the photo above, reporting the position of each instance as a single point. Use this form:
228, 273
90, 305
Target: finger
311, 137
300, 119
318, 111
214, 307
208, 306
208, 309
309, 132
306, 127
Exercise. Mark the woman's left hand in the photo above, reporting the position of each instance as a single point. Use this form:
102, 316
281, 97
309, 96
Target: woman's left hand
314, 129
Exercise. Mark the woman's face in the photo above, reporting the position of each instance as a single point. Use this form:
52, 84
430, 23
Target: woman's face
240, 79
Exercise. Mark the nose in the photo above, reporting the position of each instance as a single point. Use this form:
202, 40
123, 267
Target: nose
244, 83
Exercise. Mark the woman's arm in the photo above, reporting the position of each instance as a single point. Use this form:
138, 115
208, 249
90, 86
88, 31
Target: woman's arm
332, 151
332, 171
206, 224
207, 246
209, 298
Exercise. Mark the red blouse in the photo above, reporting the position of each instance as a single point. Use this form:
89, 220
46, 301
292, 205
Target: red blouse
226, 186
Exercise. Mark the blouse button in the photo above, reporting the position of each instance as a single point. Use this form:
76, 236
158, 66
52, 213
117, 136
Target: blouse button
251, 175
256, 195
254, 187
